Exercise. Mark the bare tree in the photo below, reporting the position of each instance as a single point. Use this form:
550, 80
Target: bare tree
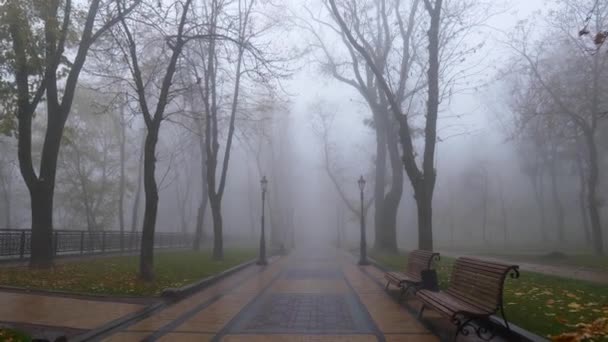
322, 127
422, 179
568, 74
152, 119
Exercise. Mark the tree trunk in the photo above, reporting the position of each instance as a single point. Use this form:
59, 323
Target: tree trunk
539, 195
503, 211
146, 260
386, 237
592, 201
425, 216
381, 220
42, 191
121, 190
582, 199
42, 225
6, 190
140, 168
218, 239
557, 203
484, 206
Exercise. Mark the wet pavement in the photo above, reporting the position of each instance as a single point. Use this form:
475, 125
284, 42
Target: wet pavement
318, 296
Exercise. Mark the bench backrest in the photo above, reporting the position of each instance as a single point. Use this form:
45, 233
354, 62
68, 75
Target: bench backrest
480, 283
420, 260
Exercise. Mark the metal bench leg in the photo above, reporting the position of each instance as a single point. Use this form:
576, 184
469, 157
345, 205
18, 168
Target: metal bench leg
461, 326
502, 312
404, 291
387, 284
421, 311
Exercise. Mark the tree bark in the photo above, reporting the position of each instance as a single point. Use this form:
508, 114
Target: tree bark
146, 261
200, 216
42, 226
425, 215
582, 198
592, 200
386, 232
121, 190
218, 235
484, 206
7, 200
503, 211
557, 203
140, 169
380, 182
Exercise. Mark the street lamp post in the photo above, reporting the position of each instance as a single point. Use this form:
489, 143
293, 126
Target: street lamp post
262, 259
363, 247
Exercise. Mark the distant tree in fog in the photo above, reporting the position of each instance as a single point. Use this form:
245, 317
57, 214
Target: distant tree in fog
567, 73
322, 126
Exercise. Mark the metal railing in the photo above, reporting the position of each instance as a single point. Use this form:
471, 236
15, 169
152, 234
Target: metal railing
15, 243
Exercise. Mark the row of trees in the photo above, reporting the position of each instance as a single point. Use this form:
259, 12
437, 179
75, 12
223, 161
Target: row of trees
197, 64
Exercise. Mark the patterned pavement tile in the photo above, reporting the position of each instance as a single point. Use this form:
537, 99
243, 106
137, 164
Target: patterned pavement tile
186, 337
127, 337
217, 315
411, 338
300, 338
312, 273
309, 286
303, 313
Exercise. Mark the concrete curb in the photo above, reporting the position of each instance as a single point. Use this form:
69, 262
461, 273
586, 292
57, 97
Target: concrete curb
520, 333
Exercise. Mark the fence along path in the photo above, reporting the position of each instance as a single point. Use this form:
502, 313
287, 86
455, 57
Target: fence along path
15, 243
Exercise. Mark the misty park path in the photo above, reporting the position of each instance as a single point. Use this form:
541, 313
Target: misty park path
312, 295
565, 271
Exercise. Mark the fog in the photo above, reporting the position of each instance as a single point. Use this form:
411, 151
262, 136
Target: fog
484, 198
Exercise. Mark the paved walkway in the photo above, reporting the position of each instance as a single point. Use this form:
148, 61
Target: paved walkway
51, 316
321, 296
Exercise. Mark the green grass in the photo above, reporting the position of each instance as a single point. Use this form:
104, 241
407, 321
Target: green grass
10, 335
544, 305
119, 275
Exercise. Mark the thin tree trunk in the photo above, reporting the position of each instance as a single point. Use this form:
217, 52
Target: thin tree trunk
503, 211
484, 206
121, 190
146, 261
582, 199
557, 203
539, 195
7, 200
136, 201
379, 183
218, 235
592, 201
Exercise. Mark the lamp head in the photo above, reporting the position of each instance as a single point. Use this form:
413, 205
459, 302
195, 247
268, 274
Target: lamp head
361, 183
264, 183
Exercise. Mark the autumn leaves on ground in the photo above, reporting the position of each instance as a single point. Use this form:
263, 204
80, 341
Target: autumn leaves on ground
554, 307
118, 275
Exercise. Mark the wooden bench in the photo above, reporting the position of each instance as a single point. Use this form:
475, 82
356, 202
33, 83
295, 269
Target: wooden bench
417, 261
473, 295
